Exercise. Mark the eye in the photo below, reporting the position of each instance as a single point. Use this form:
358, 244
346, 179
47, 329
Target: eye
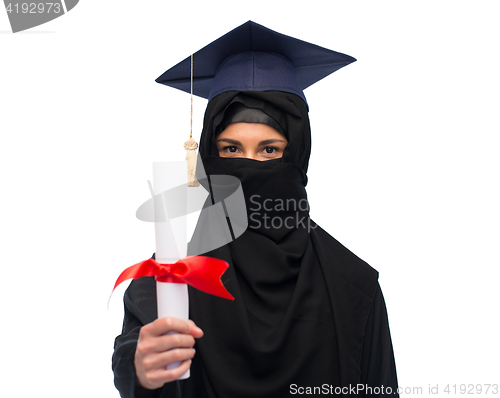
270, 150
230, 149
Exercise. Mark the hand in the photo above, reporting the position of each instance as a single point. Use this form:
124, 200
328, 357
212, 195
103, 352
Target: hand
156, 349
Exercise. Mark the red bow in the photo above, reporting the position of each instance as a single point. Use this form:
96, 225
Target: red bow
202, 273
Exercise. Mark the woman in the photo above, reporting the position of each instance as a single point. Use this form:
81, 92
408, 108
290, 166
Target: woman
308, 315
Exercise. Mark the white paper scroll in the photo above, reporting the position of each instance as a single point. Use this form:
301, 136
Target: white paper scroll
171, 242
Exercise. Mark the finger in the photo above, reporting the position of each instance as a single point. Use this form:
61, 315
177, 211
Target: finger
162, 326
149, 345
161, 360
194, 330
161, 376
169, 341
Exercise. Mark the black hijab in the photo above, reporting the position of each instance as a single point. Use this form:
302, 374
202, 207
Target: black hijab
279, 330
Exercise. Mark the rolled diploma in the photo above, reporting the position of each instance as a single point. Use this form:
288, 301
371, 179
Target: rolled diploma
171, 244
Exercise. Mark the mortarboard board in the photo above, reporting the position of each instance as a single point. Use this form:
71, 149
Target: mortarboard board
254, 58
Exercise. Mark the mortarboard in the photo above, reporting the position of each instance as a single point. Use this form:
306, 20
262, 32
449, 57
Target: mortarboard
254, 58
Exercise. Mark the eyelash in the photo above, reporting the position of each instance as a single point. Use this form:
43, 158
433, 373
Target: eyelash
274, 148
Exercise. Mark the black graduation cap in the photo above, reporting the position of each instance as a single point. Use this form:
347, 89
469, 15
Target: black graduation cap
254, 58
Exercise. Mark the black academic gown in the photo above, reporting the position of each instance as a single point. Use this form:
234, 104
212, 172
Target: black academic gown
306, 309
363, 344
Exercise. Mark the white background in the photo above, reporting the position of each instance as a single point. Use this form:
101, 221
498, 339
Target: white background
404, 172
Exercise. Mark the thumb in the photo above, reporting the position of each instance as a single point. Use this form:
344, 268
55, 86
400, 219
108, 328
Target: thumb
194, 330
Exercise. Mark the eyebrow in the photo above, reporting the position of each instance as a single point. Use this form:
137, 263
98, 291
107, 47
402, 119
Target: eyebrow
261, 143
230, 141
270, 141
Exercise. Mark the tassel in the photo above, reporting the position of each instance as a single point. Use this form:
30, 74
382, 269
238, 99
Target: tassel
190, 146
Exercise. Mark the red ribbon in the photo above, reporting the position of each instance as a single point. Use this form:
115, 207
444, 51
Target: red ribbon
202, 273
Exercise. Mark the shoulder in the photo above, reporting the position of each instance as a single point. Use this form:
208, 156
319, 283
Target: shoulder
343, 264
